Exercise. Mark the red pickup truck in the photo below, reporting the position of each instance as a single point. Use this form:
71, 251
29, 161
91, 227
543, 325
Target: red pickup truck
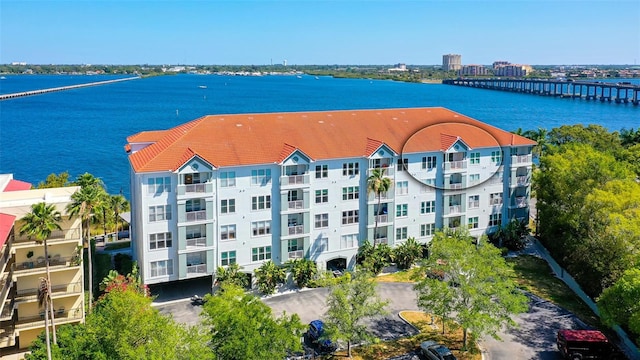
586, 344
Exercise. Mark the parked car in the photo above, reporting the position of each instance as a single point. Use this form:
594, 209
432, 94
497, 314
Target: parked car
586, 344
315, 333
434, 351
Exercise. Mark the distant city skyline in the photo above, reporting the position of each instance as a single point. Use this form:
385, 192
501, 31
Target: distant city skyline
320, 32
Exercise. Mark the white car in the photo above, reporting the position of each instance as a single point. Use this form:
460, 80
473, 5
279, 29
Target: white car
433, 350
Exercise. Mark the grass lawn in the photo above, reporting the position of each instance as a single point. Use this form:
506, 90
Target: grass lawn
400, 276
384, 350
534, 275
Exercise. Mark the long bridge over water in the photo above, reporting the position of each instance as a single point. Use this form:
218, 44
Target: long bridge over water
62, 88
622, 92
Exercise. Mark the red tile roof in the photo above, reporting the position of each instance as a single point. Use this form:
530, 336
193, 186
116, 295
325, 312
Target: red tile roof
249, 139
17, 185
6, 223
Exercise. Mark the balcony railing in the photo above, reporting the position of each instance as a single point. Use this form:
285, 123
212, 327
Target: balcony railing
56, 235
520, 159
7, 309
65, 289
296, 204
455, 165
455, 186
39, 264
296, 229
388, 171
382, 218
522, 180
197, 269
294, 179
382, 240
6, 284
521, 201
61, 315
195, 188
298, 254
196, 215
387, 195
197, 242
7, 335
455, 209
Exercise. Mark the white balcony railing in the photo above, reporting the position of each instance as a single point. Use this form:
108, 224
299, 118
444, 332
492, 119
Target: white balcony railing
296, 204
298, 254
455, 165
388, 171
521, 159
455, 209
382, 240
522, 180
296, 229
294, 179
195, 188
196, 215
382, 218
197, 269
455, 186
197, 242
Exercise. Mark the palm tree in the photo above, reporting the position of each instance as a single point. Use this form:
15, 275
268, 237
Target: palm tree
119, 204
539, 136
43, 301
84, 201
378, 184
39, 223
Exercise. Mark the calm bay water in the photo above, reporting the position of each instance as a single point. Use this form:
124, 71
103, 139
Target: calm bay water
85, 130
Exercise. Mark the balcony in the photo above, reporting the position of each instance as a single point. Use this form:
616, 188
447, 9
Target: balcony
459, 165
455, 209
7, 336
382, 218
62, 316
55, 261
298, 254
520, 159
381, 240
454, 186
296, 229
56, 236
197, 269
388, 171
296, 205
520, 202
195, 189
57, 290
6, 283
384, 197
522, 180
192, 216
294, 180
197, 242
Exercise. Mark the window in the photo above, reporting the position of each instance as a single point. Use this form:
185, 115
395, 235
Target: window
496, 157
194, 205
474, 158
350, 217
261, 227
228, 206
350, 193
228, 232
474, 201
322, 221
261, 253
403, 164
427, 229
322, 171
261, 202
402, 187
227, 258
228, 179
159, 213
260, 177
428, 207
473, 222
474, 178
495, 219
401, 210
401, 233
295, 245
495, 199
161, 268
350, 169
429, 162
348, 241
159, 241
158, 185
322, 196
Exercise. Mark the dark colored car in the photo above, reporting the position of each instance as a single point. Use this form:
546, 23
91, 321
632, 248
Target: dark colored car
586, 344
315, 333
434, 351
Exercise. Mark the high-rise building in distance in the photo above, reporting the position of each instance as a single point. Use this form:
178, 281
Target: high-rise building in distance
451, 62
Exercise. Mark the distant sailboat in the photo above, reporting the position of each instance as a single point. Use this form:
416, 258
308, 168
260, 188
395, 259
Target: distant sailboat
202, 86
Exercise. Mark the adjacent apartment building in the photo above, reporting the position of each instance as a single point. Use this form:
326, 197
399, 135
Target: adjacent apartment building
451, 62
248, 188
22, 264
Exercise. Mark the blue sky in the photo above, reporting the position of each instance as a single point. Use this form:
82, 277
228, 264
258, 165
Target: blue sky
319, 32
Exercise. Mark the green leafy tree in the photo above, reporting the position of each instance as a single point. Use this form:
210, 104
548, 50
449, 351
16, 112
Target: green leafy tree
595, 136
348, 305
39, 224
512, 236
269, 276
242, 327
619, 304
407, 253
54, 181
303, 271
540, 136
231, 275
378, 184
480, 294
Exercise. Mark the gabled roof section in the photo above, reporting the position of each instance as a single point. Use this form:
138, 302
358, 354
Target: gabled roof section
6, 224
446, 141
289, 151
461, 142
17, 185
251, 139
187, 157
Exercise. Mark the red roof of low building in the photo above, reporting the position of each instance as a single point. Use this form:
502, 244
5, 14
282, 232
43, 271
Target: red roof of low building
17, 185
250, 139
6, 223
583, 335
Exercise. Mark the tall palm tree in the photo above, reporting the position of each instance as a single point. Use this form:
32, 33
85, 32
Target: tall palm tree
39, 223
539, 136
83, 203
119, 204
43, 301
377, 183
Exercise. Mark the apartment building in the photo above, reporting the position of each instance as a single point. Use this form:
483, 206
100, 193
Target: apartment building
513, 70
473, 70
451, 62
22, 264
248, 188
